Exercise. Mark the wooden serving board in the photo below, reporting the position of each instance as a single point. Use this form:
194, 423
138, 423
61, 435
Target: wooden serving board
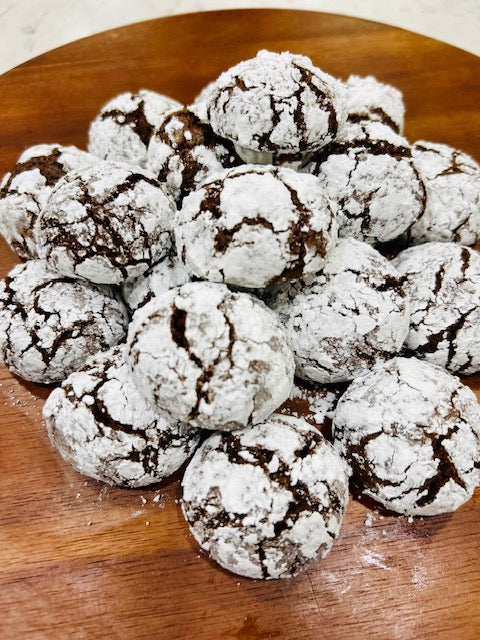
79, 560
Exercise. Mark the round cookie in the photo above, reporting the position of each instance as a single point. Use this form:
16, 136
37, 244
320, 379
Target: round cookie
106, 430
254, 225
165, 275
452, 181
210, 357
369, 99
443, 283
266, 502
25, 190
369, 175
276, 102
411, 434
125, 124
105, 223
50, 324
184, 151
352, 315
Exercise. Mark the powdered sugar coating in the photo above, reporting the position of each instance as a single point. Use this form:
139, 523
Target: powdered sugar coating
352, 315
184, 151
105, 223
254, 225
369, 175
210, 357
24, 191
452, 181
266, 502
125, 124
50, 324
106, 430
369, 99
165, 275
276, 102
411, 433
443, 282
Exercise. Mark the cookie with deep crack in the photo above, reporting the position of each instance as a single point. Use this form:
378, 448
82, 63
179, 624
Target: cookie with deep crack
276, 102
266, 502
125, 124
348, 317
452, 181
253, 225
411, 434
105, 223
105, 428
25, 190
164, 275
443, 283
369, 174
210, 357
184, 151
50, 324
369, 99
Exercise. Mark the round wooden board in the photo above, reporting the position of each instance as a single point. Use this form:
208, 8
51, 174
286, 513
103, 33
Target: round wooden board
80, 560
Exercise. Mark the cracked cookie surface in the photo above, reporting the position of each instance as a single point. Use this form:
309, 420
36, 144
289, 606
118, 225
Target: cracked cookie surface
266, 502
370, 176
105, 429
25, 190
443, 282
348, 317
452, 182
210, 357
105, 223
254, 225
50, 324
125, 124
369, 99
411, 434
275, 102
184, 151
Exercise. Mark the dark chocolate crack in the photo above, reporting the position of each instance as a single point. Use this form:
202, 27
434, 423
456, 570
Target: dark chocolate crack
383, 117
48, 165
136, 120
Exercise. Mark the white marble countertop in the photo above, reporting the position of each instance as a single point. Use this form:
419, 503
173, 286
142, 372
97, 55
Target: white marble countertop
31, 27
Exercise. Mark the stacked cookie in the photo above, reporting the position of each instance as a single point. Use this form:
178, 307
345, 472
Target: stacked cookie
181, 272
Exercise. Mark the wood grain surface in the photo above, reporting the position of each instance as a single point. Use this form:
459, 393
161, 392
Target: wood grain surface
79, 560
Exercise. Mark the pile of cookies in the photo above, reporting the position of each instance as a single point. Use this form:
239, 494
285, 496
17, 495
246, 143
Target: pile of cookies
184, 269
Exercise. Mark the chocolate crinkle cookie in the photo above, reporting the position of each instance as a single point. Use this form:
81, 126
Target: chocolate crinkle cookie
106, 430
411, 434
452, 181
105, 223
369, 99
348, 317
266, 502
210, 357
254, 225
276, 102
25, 190
370, 176
125, 124
443, 282
50, 324
164, 275
184, 151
